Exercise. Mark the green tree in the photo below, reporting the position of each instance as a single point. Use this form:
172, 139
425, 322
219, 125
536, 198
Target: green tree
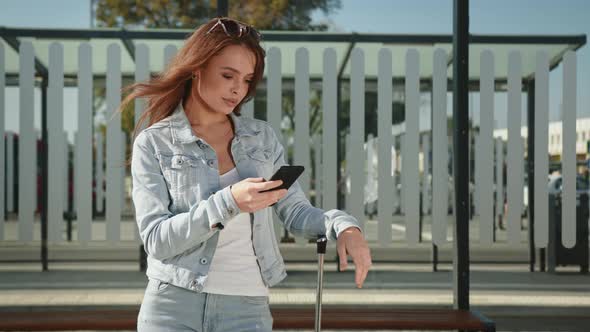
188, 14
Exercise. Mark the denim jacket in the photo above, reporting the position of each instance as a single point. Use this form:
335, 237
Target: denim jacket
177, 200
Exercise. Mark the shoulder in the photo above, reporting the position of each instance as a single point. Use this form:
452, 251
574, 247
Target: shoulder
258, 127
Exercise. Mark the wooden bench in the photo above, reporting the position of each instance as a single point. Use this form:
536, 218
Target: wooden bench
333, 317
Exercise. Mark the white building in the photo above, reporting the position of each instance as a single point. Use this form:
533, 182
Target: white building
556, 138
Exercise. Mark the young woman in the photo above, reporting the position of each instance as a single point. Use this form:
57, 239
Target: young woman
198, 171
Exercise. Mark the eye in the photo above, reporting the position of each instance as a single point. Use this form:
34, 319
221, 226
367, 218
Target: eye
227, 76
249, 81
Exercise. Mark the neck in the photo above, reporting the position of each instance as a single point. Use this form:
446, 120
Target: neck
200, 114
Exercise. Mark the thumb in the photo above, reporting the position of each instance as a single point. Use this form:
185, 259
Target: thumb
342, 257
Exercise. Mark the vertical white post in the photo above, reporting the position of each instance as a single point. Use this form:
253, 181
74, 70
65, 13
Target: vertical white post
411, 148
318, 170
56, 147
395, 197
274, 109
99, 167
486, 150
10, 194
354, 163
114, 162
440, 154
568, 166
27, 145
500, 178
83, 170
329, 119
169, 52
142, 74
425, 174
384, 100
301, 156
515, 149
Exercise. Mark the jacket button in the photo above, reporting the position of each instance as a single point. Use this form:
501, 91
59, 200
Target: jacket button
193, 284
204, 260
231, 211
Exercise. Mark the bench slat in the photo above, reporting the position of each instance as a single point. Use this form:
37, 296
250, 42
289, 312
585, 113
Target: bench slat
284, 318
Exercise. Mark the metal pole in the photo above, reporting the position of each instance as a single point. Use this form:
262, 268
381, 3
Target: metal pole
44, 173
531, 171
222, 8
321, 250
461, 153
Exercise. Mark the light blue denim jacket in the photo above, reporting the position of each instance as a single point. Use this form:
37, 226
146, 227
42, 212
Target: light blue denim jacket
177, 199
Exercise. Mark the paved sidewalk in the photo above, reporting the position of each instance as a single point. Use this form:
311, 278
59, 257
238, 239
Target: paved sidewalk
500, 291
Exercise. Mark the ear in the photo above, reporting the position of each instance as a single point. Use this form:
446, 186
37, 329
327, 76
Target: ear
197, 73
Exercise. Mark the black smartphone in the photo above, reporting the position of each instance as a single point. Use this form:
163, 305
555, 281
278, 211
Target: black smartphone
288, 174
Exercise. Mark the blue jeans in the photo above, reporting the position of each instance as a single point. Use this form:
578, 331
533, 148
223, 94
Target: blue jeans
166, 307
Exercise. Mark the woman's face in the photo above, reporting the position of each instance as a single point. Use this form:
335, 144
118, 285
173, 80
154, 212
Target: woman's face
224, 82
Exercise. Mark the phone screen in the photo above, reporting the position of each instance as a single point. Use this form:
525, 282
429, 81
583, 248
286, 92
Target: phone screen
288, 174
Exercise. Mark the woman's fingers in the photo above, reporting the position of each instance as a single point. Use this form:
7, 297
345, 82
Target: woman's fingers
267, 185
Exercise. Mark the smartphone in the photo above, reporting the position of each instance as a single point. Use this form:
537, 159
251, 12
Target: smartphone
288, 174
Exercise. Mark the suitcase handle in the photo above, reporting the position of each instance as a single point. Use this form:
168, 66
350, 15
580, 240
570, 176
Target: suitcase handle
321, 250
321, 244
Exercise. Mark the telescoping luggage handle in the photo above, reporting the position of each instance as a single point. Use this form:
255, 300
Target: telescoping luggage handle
321, 250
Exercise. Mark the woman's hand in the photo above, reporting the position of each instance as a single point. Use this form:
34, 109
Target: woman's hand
351, 242
248, 196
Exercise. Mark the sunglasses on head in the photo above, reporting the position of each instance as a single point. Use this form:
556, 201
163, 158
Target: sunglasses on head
235, 29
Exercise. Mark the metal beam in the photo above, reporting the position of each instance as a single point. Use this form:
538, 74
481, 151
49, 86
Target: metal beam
347, 56
129, 45
461, 153
530, 166
14, 43
315, 36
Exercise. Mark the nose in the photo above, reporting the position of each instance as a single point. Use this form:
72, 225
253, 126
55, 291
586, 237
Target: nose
236, 89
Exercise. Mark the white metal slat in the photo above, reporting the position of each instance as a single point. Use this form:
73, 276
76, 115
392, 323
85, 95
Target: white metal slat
485, 150
357, 135
27, 162
301, 155
440, 155
410, 176
114, 142
329, 120
515, 150
568, 166
274, 110
56, 155
384, 100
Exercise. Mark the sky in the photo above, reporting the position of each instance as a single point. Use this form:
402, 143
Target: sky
543, 17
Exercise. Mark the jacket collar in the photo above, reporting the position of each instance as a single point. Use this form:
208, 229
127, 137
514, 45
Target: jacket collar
182, 133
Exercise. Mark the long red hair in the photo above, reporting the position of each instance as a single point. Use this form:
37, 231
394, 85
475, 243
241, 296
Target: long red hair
165, 91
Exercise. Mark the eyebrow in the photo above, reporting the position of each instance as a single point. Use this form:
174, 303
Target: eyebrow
234, 70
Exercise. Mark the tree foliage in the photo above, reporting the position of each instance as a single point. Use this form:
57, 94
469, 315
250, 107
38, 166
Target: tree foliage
188, 14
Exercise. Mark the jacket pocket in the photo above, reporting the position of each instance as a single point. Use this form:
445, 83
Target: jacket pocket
262, 159
181, 173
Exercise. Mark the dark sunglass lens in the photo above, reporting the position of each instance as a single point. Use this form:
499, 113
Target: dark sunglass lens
233, 28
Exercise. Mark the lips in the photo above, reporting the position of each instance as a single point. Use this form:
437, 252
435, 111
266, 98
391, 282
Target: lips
230, 102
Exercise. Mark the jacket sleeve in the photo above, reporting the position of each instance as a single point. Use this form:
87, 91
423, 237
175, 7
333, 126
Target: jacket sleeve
164, 234
297, 214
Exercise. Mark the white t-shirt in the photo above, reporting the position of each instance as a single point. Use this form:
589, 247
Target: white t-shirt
234, 269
